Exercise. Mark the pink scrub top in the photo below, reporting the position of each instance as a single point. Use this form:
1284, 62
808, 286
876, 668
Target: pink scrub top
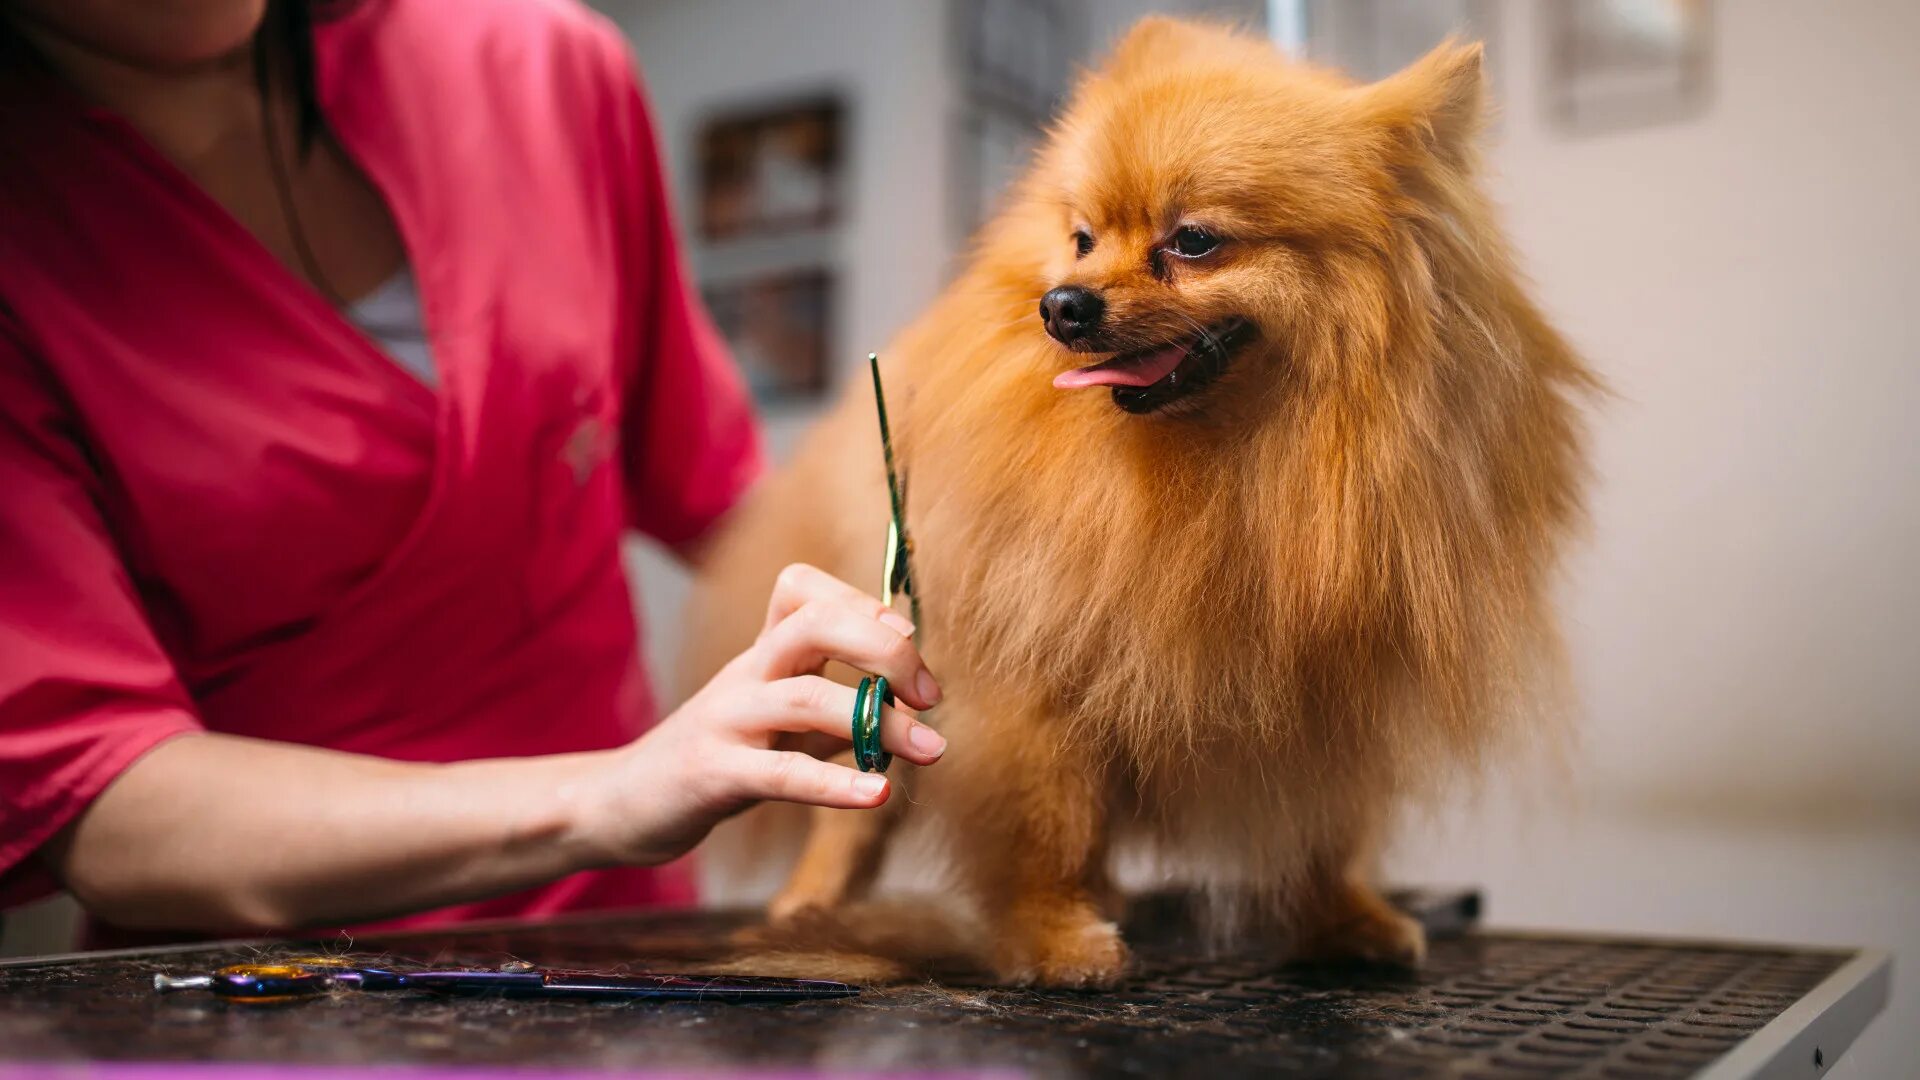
222, 508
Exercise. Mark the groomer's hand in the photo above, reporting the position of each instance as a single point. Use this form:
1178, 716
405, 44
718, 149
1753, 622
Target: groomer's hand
760, 728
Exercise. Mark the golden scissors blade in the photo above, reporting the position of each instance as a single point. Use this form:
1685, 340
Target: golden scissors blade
894, 564
897, 572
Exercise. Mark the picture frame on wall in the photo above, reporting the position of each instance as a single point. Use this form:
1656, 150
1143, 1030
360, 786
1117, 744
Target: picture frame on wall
778, 326
769, 195
1627, 63
771, 169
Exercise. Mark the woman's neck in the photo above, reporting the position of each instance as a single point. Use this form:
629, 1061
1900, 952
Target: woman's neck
191, 113
301, 197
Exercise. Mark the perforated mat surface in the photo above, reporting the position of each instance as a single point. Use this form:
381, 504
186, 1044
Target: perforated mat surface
1486, 1005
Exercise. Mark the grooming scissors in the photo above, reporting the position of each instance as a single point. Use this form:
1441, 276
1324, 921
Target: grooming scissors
896, 580
306, 977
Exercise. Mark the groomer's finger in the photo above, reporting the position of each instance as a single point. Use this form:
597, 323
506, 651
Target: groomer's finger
819, 632
800, 584
809, 703
792, 776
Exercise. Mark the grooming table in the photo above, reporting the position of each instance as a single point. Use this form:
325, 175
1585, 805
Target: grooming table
1488, 1004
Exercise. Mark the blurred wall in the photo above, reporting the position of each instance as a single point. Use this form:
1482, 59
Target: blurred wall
1747, 618
889, 61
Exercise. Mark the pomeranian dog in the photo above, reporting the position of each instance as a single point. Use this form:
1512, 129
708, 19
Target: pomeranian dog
1239, 459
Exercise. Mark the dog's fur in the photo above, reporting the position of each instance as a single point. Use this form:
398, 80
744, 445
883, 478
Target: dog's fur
1245, 628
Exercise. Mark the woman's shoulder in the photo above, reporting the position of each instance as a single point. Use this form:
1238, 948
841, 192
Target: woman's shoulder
490, 49
533, 22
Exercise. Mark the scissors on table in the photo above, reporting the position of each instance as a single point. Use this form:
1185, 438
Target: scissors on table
305, 977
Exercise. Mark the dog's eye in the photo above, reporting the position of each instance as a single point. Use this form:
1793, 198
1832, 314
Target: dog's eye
1193, 241
1082, 243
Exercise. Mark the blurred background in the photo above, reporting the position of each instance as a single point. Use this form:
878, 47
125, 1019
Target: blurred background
1718, 204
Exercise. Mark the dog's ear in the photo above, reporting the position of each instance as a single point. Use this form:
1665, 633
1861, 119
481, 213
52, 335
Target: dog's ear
1158, 41
1438, 101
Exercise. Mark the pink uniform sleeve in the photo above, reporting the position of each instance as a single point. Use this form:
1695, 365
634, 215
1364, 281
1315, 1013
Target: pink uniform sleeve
691, 442
85, 689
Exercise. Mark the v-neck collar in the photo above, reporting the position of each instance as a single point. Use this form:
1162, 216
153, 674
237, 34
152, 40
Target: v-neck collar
35, 86
44, 91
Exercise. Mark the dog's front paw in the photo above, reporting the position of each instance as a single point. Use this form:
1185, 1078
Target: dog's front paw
1067, 953
791, 906
1373, 935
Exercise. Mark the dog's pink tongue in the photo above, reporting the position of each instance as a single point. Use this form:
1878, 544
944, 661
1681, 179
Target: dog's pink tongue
1133, 371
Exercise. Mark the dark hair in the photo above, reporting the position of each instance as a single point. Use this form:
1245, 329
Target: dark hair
285, 33
287, 28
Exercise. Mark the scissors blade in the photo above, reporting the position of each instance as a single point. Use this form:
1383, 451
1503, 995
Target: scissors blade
893, 573
897, 570
698, 987
608, 986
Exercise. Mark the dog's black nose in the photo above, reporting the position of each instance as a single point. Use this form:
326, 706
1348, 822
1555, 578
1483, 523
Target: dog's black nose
1071, 312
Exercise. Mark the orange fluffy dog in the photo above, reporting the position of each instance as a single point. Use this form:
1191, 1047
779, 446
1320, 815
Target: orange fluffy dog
1237, 541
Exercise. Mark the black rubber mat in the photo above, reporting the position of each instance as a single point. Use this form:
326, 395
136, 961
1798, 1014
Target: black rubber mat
1486, 1005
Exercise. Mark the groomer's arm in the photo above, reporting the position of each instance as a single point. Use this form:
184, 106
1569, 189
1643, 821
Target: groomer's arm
221, 833
218, 833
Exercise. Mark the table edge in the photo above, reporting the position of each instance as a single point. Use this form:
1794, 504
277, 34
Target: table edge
1827, 1018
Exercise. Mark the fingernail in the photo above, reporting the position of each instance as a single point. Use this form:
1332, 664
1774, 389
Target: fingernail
899, 622
869, 785
926, 740
929, 690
